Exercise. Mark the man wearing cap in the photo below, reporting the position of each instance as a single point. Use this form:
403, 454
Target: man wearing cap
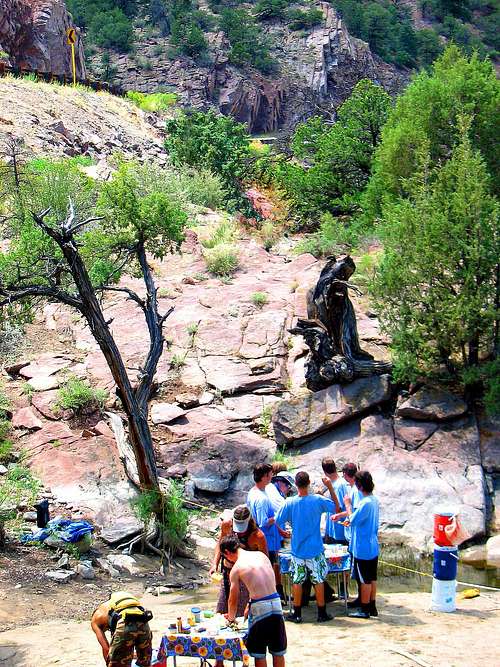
280, 487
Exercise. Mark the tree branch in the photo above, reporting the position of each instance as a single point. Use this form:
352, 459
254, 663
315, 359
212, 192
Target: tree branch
13, 294
125, 290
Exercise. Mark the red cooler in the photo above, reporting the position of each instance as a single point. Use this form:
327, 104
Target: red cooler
442, 517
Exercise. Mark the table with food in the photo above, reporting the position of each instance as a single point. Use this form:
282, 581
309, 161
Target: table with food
206, 636
339, 565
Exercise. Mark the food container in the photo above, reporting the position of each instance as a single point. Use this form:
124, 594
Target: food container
186, 629
208, 614
196, 611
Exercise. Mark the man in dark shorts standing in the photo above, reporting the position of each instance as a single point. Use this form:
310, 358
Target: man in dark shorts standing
266, 627
364, 522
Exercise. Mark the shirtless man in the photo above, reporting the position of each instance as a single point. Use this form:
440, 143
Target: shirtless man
131, 631
266, 627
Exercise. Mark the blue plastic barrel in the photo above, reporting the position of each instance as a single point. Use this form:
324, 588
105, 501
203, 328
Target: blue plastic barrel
445, 563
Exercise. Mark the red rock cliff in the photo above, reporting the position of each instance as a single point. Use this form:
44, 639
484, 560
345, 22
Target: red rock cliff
33, 34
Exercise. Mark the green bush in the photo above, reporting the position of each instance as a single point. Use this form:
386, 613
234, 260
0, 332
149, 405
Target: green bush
78, 395
6, 448
214, 142
168, 507
302, 20
188, 36
259, 299
203, 188
248, 47
112, 30
267, 9
226, 231
19, 485
222, 260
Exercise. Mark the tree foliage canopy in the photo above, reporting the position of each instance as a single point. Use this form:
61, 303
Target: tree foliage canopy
426, 116
437, 286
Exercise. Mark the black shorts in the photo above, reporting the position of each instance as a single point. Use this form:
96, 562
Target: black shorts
268, 634
365, 571
273, 557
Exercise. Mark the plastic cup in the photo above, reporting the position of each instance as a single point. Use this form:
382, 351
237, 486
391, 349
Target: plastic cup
196, 611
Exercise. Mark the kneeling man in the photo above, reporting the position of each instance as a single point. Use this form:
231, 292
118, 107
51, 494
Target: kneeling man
266, 628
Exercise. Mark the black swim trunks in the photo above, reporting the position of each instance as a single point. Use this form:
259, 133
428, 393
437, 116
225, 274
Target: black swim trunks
268, 634
365, 571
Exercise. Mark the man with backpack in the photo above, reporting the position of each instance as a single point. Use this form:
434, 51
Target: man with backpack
127, 621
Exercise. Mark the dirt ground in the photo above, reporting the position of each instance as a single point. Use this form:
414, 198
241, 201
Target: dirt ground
49, 627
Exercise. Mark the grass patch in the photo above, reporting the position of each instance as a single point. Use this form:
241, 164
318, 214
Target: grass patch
78, 395
152, 102
226, 231
281, 457
222, 260
18, 486
259, 299
177, 361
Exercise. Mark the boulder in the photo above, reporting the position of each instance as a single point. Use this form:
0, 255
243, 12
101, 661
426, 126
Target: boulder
432, 404
60, 576
124, 563
43, 382
410, 434
85, 570
188, 400
164, 413
105, 565
231, 375
3, 470
214, 463
475, 556
489, 434
203, 421
299, 419
46, 404
121, 530
409, 484
44, 367
26, 418
493, 551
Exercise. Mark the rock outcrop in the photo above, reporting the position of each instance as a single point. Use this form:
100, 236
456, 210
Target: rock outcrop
33, 34
316, 69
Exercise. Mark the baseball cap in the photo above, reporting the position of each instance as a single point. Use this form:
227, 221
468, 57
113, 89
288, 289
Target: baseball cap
241, 518
285, 476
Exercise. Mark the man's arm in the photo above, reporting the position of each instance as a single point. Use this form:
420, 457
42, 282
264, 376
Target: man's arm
101, 638
263, 509
328, 483
282, 516
262, 543
234, 594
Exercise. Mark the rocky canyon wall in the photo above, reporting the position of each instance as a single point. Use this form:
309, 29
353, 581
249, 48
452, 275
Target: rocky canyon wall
316, 70
33, 34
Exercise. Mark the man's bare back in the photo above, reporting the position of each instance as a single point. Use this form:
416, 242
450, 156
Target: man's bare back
256, 572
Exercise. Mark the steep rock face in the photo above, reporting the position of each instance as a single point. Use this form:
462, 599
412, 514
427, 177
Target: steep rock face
316, 70
33, 33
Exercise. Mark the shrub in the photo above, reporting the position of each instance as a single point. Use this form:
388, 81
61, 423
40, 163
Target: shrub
259, 299
18, 486
168, 507
6, 448
112, 30
203, 188
270, 234
177, 361
225, 231
334, 235
213, 142
222, 260
300, 20
78, 395
248, 47
267, 9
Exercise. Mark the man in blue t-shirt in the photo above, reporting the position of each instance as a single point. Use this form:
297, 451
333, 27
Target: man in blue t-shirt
304, 512
263, 513
364, 523
334, 530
